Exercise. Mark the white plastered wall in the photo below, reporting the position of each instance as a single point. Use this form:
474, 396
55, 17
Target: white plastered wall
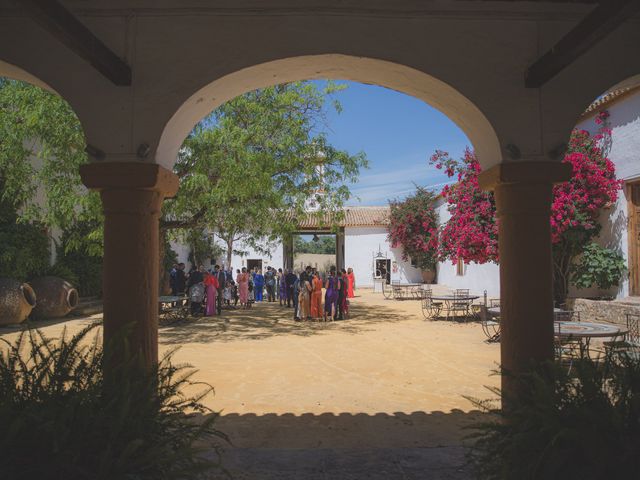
362, 243
624, 120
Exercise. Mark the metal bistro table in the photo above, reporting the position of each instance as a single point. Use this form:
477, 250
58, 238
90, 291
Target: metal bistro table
567, 330
173, 304
449, 301
495, 311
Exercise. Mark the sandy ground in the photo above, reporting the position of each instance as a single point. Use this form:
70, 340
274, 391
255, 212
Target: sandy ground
386, 377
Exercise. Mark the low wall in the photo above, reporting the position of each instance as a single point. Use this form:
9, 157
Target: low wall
603, 310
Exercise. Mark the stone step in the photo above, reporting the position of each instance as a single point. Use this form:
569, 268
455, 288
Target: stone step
88, 306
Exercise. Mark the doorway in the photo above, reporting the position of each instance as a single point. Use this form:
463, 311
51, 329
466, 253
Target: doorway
253, 263
316, 250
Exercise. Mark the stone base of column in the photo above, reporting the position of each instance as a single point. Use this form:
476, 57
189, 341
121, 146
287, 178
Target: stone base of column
132, 196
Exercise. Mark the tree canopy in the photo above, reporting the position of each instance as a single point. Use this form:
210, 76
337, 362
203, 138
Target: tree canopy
249, 168
325, 244
41, 149
245, 171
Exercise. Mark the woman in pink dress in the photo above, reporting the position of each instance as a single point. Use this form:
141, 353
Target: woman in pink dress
243, 287
352, 283
212, 285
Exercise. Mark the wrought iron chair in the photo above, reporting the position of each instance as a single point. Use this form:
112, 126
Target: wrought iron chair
567, 349
387, 289
629, 345
490, 323
430, 309
573, 344
460, 303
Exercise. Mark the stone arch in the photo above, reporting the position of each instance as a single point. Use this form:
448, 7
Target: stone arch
16, 73
334, 66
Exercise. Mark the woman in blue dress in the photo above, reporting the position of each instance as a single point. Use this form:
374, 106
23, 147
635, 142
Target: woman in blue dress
258, 285
331, 295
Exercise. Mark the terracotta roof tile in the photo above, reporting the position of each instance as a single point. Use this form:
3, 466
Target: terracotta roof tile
607, 98
353, 217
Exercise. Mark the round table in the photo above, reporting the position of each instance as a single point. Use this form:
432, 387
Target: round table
495, 311
587, 329
448, 299
567, 331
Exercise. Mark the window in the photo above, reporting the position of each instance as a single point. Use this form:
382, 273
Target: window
460, 268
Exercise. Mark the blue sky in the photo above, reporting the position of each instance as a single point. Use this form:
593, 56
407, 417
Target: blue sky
398, 133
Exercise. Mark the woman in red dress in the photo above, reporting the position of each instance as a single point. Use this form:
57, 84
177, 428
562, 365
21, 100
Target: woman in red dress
212, 285
352, 283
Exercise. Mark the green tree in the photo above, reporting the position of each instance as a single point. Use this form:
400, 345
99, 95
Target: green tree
249, 168
325, 244
41, 149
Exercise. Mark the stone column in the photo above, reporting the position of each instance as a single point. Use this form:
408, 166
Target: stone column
523, 194
132, 195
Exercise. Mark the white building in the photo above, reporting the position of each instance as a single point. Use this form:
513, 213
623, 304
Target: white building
361, 237
619, 223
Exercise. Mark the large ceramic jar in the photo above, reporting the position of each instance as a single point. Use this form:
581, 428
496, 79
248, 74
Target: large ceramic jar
17, 299
56, 297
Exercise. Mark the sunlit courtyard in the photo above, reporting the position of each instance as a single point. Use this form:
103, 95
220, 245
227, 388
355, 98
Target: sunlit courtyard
385, 379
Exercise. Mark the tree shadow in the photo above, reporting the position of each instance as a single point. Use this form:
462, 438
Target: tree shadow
415, 445
269, 320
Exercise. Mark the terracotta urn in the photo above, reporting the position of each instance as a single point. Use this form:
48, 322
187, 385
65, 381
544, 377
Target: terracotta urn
56, 297
428, 276
17, 299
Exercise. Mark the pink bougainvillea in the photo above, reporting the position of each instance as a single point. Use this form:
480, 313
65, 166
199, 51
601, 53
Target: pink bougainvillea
593, 185
471, 234
413, 226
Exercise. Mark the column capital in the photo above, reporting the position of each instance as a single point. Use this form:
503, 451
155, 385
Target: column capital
524, 172
129, 176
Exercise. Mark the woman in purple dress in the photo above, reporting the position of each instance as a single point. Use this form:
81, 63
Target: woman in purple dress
331, 296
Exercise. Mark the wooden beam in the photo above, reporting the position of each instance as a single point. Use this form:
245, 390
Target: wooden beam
596, 25
59, 22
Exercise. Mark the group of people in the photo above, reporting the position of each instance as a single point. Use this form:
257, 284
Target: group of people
304, 292
209, 290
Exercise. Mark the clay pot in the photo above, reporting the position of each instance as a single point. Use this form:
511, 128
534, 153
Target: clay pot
428, 276
56, 297
17, 299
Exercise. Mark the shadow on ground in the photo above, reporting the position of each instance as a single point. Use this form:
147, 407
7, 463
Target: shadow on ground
414, 445
268, 320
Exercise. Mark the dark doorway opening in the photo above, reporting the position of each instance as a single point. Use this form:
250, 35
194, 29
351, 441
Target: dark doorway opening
253, 263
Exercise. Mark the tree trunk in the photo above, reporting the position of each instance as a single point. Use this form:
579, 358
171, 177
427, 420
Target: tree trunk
229, 251
561, 267
165, 287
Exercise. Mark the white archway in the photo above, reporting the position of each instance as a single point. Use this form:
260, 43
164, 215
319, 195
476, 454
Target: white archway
332, 66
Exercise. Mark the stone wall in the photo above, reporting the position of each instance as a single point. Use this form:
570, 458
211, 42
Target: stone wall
603, 310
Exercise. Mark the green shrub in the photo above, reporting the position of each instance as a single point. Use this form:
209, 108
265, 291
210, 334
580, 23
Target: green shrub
59, 422
86, 270
64, 272
598, 266
585, 425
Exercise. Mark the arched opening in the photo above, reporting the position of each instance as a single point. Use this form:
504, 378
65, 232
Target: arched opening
45, 207
275, 415
333, 66
613, 120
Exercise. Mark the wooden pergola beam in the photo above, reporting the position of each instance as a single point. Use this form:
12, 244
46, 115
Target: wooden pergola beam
596, 25
63, 25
